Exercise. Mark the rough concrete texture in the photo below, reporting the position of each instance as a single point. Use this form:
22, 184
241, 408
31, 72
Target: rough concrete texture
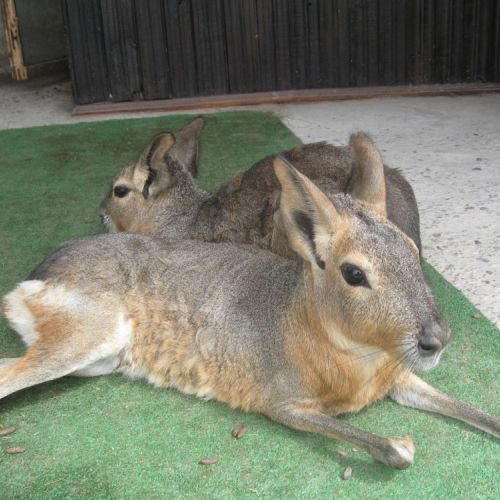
447, 147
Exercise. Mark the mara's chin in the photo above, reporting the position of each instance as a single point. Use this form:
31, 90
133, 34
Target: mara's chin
426, 363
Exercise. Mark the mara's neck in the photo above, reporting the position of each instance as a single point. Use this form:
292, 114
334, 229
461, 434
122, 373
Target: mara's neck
174, 218
344, 376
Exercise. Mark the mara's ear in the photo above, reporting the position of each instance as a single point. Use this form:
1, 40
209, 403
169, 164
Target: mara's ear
187, 146
154, 153
169, 173
307, 217
367, 182
150, 173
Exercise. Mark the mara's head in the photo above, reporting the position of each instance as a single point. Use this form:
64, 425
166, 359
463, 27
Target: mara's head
168, 162
363, 275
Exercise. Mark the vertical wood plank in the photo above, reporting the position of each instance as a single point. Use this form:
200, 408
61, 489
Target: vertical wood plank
428, 43
265, 73
282, 45
442, 39
372, 41
13, 41
486, 24
469, 39
494, 60
401, 59
87, 51
128, 49
327, 44
242, 44
342, 42
457, 72
210, 41
120, 46
154, 67
180, 48
313, 63
297, 22
357, 45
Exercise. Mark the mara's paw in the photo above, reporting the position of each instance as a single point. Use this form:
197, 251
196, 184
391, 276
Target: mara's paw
402, 453
398, 454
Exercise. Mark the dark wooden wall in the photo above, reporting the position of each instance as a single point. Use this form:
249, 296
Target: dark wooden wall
156, 49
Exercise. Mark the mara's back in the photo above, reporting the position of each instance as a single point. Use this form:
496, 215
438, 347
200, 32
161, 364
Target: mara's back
213, 306
242, 210
208, 278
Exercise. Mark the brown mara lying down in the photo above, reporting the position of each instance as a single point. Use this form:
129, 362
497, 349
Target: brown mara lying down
298, 341
158, 195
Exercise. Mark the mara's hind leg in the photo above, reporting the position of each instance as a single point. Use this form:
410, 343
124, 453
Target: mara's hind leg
68, 334
43, 363
8, 361
34, 368
40, 365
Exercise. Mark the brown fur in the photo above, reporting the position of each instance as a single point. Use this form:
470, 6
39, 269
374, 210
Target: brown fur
296, 341
359, 379
191, 368
244, 210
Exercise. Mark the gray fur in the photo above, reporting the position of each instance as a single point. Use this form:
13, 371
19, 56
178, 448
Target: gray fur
245, 322
242, 209
243, 291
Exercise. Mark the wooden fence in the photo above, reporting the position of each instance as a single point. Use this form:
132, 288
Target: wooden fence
123, 50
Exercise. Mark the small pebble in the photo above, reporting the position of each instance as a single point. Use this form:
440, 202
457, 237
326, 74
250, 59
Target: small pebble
239, 431
6, 431
16, 449
476, 315
208, 461
347, 474
341, 454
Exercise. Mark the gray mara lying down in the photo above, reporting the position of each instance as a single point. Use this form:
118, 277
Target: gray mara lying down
158, 196
298, 341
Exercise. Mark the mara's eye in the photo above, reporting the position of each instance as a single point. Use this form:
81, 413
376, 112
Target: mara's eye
121, 191
353, 275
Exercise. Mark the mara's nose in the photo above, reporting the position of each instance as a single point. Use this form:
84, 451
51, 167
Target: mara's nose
429, 347
434, 335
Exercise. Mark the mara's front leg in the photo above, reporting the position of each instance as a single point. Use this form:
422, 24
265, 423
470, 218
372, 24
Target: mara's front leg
308, 417
412, 391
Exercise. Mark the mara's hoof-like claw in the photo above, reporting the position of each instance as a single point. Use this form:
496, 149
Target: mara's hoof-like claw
402, 453
398, 454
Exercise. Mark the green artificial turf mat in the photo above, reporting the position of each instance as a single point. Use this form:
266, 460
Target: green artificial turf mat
113, 438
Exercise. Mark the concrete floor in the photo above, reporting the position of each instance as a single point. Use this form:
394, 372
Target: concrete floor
447, 147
